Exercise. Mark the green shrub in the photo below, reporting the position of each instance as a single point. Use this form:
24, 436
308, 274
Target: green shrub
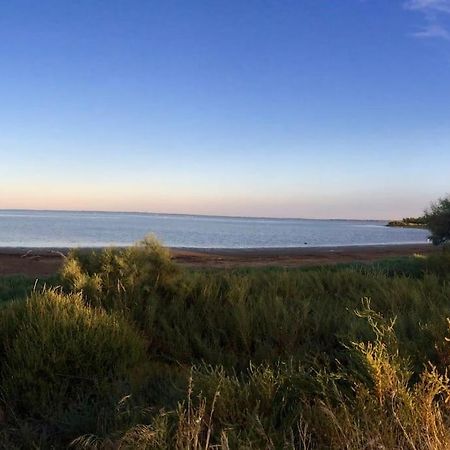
122, 279
62, 361
437, 218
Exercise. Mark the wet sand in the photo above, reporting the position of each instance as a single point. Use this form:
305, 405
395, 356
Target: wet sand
44, 262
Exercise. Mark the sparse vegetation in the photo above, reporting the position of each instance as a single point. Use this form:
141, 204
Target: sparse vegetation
126, 350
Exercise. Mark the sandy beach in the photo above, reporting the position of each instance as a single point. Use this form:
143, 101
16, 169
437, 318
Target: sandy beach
41, 262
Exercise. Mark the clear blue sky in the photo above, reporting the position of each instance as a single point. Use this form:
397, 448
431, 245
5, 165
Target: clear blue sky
306, 108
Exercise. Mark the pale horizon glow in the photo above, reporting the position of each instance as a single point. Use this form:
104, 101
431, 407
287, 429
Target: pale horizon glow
298, 110
241, 206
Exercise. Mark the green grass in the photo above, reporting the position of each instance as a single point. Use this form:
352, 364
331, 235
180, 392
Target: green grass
59, 355
18, 287
132, 351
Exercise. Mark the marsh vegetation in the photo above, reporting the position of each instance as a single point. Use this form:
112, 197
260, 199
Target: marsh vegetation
127, 350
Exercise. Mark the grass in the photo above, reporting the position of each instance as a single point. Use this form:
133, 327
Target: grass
59, 355
17, 287
126, 350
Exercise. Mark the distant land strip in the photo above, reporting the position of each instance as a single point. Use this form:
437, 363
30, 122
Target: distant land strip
409, 222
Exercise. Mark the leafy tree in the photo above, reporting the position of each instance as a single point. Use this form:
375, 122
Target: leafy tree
437, 218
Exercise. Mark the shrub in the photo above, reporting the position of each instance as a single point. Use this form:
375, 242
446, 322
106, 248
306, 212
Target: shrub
62, 361
438, 221
122, 279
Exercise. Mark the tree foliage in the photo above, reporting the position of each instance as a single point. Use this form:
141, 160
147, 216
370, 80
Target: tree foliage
438, 221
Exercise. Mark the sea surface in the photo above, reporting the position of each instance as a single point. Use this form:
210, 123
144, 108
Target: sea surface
20, 228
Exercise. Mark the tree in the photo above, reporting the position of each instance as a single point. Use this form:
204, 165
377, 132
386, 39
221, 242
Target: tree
437, 218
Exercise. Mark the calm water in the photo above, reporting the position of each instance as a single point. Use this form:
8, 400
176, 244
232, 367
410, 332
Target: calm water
91, 229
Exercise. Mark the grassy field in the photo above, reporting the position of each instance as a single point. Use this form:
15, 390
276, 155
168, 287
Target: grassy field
126, 350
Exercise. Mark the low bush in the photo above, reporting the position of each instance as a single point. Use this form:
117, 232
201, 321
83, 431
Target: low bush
122, 279
62, 361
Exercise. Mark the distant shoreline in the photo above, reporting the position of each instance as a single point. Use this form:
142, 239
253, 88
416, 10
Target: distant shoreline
41, 262
212, 216
409, 222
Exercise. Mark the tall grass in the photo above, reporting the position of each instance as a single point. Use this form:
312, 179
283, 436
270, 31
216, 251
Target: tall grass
134, 352
17, 287
62, 361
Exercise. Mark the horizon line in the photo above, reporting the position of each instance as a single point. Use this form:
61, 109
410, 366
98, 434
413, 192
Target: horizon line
189, 214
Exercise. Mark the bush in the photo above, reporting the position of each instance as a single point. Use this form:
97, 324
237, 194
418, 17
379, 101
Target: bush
438, 221
62, 361
122, 279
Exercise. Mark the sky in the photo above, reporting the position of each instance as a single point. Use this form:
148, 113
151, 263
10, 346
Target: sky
274, 108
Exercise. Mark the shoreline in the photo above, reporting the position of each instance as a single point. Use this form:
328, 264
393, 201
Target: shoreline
42, 262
